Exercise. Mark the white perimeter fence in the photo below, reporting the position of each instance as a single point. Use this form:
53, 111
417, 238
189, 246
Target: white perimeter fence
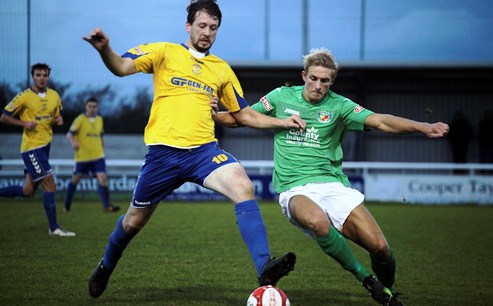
417, 183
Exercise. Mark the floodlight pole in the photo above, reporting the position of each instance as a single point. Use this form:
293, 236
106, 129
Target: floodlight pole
362, 31
266, 30
28, 80
304, 22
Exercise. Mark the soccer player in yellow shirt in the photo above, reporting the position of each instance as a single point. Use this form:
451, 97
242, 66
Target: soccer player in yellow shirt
37, 109
86, 138
180, 138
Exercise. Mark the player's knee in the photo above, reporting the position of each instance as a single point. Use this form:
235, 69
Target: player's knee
132, 226
28, 191
319, 225
103, 181
244, 184
134, 221
380, 249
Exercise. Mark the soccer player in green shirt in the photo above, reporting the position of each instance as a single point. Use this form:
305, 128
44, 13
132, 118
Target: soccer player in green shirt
314, 193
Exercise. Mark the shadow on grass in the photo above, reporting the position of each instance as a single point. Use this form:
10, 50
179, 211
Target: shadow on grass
224, 296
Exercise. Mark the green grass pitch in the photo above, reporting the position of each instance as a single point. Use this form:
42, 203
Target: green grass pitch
191, 254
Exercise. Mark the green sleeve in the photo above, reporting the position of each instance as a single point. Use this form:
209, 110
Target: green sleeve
354, 115
267, 104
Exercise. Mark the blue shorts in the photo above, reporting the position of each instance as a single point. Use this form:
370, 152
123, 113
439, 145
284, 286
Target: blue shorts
90, 167
166, 169
36, 163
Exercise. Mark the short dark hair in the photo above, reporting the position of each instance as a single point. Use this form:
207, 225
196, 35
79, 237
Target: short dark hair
208, 6
40, 66
92, 99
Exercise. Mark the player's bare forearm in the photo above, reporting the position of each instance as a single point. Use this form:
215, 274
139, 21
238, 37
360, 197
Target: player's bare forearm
251, 118
71, 140
222, 118
254, 119
226, 119
115, 63
399, 125
28, 125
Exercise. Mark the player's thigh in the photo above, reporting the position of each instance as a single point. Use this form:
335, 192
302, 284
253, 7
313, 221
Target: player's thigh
334, 199
36, 163
29, 188
308, 214
81, 168
157, 179
363, 229
99, 169
232, 181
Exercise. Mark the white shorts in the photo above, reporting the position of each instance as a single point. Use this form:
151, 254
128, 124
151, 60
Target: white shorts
335, 199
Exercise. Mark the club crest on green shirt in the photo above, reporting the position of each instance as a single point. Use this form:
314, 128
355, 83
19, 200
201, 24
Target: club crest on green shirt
324, 116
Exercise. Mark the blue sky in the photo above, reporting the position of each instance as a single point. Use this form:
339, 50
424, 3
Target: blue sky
419, 32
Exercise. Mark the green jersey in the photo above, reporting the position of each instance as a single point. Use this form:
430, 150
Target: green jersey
315, 155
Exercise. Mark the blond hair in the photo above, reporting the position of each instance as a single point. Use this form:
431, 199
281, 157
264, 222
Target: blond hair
320, 57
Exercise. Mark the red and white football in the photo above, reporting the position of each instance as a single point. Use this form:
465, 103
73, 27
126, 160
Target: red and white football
268, 296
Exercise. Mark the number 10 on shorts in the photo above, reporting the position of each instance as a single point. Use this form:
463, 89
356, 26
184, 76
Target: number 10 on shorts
220, 158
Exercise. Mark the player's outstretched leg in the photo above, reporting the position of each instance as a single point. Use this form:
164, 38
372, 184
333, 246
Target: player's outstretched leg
11, 192
277, 268
117, 243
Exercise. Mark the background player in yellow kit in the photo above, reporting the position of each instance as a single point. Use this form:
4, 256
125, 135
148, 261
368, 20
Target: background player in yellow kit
86, 138
37, 109
180, 138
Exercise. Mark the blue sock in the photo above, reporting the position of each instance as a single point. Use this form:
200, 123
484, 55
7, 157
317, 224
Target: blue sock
252, 230
104, 194
11, 192
70, 195
50, 209
117, 243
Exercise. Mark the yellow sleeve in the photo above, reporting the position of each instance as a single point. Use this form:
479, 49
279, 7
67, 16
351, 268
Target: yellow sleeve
231, 93
75, 126
16, 104
144, 56
59, 107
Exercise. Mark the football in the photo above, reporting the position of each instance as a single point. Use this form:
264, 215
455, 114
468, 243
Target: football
268, 296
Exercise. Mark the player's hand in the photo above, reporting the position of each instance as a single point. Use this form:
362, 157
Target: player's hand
214, 104
75, 146
98, 39
58, 121
436, 130
29, 125
295, 122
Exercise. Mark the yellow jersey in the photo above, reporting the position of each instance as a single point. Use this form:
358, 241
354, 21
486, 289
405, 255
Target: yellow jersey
88, 132
183, 86
42, 108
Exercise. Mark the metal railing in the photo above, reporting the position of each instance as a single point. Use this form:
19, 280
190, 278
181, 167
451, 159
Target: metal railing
64, 166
